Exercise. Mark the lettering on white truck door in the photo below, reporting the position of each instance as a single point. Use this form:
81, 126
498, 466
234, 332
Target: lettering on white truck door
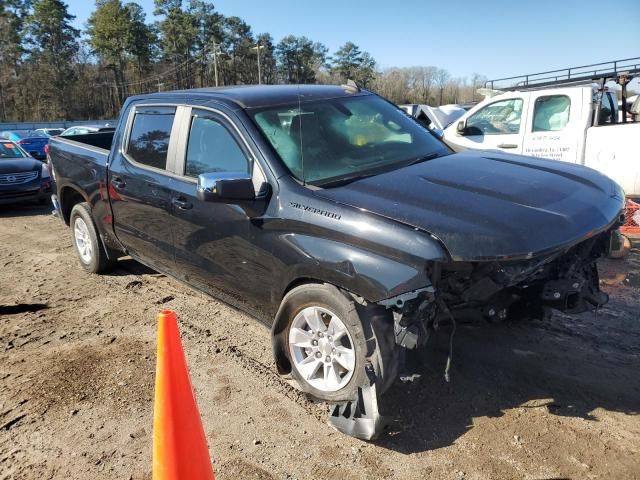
550, 132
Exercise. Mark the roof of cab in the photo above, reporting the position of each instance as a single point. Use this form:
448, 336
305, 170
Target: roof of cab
254, 96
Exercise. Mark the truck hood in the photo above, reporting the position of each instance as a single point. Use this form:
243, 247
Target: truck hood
18, 165
486, 205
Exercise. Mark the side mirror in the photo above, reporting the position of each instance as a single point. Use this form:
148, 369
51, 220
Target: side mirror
461, 127
225, 186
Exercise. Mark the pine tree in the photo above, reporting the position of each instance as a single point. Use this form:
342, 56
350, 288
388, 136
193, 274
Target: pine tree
141, 39
350, 63
209, 34
108, 29
177, 31
53, 44
242, 65
12, 14
300, 59
267, 58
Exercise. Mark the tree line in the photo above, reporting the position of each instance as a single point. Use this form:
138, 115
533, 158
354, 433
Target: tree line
50, 70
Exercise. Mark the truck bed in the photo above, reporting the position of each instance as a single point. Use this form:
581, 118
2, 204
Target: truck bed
79, 163
80, 159
101, 140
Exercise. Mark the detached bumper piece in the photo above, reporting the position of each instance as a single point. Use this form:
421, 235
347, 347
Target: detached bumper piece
360, 418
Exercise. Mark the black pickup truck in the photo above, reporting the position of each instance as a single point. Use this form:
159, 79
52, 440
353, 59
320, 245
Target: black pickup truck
337, 219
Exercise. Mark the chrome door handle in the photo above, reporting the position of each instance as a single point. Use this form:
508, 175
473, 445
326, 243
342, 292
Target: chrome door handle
118, 182
507, 145
181, 204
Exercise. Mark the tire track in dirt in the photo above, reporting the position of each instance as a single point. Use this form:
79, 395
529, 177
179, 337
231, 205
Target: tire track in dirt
266, 372
228, 345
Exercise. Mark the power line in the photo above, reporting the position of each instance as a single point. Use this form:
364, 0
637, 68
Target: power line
150, 79
155, 78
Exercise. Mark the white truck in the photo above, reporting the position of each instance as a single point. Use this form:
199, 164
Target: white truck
560, 119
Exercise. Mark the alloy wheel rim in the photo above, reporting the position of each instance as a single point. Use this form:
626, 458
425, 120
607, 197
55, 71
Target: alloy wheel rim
83, 240
322, 349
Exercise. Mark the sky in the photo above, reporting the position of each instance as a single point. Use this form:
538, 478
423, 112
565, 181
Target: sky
495, 38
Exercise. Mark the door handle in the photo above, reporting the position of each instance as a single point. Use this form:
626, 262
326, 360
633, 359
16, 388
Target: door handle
118, 182
181, 204
507, 145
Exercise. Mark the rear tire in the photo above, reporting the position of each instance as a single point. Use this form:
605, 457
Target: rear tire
89, 248
330, 342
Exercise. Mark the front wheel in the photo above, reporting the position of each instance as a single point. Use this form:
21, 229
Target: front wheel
331, 342
91, 253
322, 350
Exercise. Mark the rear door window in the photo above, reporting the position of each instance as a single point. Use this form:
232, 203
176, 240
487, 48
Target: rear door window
212, 147
149, 137
551, 113
608, 109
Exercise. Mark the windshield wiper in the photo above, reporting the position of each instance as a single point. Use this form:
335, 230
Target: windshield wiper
345, 180
424, 158
352, 178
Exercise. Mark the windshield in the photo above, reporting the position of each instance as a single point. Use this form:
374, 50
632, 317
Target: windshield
345, 138
11, 150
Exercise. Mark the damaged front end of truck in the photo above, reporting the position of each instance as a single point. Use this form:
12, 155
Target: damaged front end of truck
564, 280
519, 238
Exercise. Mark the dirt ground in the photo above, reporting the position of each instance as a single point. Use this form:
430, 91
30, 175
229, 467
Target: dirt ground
552, 400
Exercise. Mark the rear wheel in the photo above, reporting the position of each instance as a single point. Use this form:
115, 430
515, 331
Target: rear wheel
331, 342
88, 246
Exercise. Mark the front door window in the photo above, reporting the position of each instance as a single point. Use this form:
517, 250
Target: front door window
212, 147
498, 118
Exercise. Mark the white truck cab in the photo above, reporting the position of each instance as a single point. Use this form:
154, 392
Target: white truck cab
563, 123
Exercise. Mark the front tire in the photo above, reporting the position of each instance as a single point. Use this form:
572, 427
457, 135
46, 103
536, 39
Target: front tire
330, 342
88, 246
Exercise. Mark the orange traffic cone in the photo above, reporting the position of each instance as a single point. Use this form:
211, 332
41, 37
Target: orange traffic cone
180, 449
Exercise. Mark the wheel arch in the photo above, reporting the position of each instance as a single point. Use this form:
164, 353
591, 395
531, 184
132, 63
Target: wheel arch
377, 325
69, 197
359, 274
281, 321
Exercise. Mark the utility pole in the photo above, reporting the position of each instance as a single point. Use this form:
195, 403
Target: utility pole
215, 60
257, 48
